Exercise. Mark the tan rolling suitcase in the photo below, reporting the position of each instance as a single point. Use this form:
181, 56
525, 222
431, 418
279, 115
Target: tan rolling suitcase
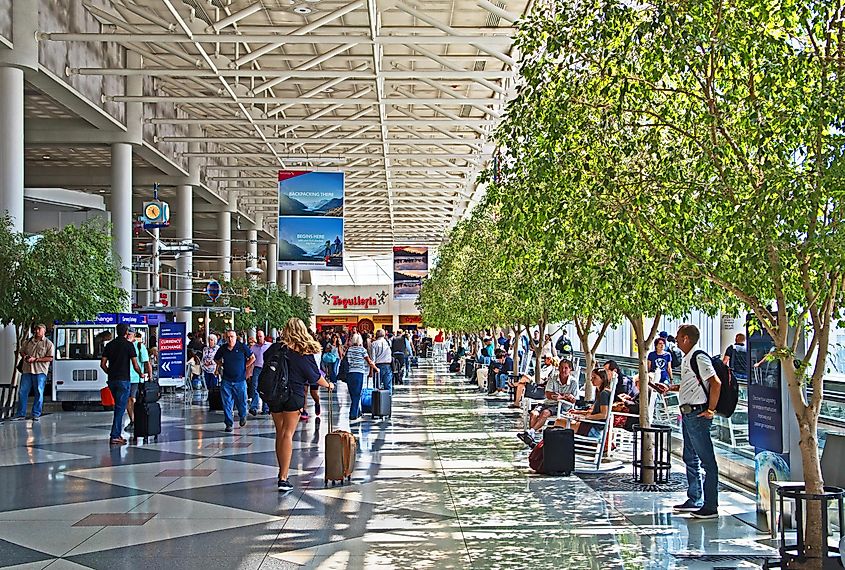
341, 449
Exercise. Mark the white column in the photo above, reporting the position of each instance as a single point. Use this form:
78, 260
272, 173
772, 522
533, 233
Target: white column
294, 282
184, 215
121, 213
396, 320
272, 274
224, 246
11, 184
252, 252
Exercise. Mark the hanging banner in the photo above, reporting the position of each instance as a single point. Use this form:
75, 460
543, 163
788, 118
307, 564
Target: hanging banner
311, 220
410, 266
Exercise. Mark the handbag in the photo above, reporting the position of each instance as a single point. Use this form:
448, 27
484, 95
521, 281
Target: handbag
343, 371
329, 358
20, 365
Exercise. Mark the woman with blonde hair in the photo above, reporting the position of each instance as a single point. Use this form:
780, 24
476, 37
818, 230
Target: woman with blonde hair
300, 349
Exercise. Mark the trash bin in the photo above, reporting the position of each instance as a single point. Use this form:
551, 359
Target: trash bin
661, 462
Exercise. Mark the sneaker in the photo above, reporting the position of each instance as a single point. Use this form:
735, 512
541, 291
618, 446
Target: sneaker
229, 429
704, 513
242, 422
304, 416
526, 439
18, 418
316, 408
687, 507
252, 412
36, 419
285, 486
117, 441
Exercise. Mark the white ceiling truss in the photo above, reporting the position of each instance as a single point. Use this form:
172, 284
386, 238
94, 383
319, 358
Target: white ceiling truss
399, 94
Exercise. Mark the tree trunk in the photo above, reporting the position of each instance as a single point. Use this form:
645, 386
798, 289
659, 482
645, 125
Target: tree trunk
515, 348
808, 419
647, 456
582, 329
9, 402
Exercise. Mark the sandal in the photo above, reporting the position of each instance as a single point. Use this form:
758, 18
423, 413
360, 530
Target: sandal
117, 441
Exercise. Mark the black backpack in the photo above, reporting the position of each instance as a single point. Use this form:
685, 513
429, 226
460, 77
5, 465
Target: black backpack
729, 393
677, 357
274, 380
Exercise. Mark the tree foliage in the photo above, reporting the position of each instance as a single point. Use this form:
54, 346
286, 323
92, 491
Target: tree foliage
262, 305
714, 132
61, 275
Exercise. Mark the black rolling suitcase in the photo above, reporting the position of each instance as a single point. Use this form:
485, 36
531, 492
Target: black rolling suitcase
147, 420
215, 399
558, 451
469, 369
381, 400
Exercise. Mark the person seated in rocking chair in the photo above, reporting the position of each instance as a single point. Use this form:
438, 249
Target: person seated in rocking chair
525, 386
601, 407
560, 392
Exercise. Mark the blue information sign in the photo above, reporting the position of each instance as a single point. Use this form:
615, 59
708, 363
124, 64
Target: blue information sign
171, 350
765, 405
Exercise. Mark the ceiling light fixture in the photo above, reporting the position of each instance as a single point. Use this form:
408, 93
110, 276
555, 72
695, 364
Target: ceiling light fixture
46, 157
302, 10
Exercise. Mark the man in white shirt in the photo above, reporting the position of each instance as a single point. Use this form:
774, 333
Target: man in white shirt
383, 357
698, 395
261, 345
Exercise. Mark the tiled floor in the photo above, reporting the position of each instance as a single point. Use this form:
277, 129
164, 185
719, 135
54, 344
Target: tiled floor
443, 484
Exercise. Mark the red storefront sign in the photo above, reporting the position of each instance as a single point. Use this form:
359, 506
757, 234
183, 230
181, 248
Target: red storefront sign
357, 301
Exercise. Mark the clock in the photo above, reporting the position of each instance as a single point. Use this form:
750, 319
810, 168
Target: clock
152, 211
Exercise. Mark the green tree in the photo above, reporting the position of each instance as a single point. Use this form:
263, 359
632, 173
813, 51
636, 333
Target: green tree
61, 275
263, 305
724, 123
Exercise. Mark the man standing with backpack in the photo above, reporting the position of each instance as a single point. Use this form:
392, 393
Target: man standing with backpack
699, 397
736, 358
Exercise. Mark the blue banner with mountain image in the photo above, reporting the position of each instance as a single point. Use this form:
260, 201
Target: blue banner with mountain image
304, 193
410, 266
310, 220
310, 243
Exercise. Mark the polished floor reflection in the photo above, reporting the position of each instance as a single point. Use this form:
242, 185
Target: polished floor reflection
443, 484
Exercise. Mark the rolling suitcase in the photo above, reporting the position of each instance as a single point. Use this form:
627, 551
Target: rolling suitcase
147, 420
367, 397
481, 377
558, 451
341, 448
381, 400
215, 399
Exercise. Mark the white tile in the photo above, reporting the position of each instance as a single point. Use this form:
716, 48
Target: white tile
32, 455
144, 476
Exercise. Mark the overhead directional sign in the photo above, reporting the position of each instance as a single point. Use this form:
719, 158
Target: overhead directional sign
171, 350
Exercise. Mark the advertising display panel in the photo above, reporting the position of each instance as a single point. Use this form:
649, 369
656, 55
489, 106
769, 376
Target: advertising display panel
410, 266
311, 220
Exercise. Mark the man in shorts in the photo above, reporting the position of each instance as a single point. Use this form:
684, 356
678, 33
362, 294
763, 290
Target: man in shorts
561, 392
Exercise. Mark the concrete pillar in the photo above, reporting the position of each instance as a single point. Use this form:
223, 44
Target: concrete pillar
294, 282
272, 274
224, 246
11, 184
121, 213
396, 320
11, 144
184, 214
311, 295
252, 252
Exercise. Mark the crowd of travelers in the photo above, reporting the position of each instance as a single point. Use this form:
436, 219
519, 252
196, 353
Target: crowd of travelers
230, 364
557, 397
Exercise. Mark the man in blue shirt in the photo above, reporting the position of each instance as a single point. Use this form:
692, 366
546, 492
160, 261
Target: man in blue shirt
232, 360
501, 367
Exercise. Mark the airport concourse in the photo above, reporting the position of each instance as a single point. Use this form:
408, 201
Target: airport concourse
347, 284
